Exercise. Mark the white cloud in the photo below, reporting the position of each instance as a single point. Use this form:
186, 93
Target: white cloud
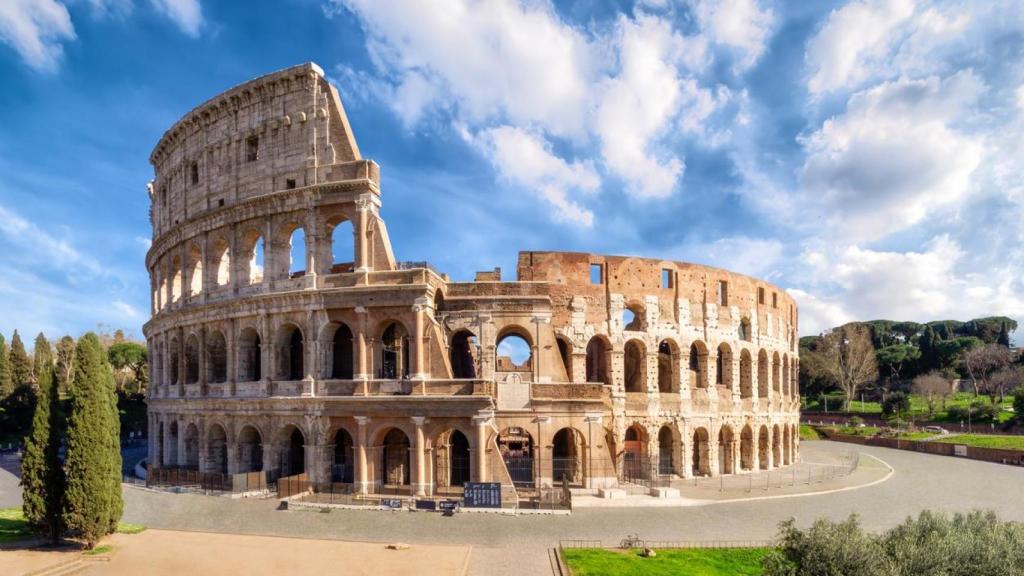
853, 42
51, 252
36, 30
742, 25
126, 310
893, 157
186, 14
758, 257
526, 159
863, 284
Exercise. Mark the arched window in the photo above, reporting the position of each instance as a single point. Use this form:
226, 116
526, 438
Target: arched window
723, 366
216, 357
291, 346
394, 352
762, 374
195, 271
249, 356
341, 354
746, 375
668, 367
256, 253
216, 450
293, 452
222, 262
250, 450
633, 317
191, 360
395, 458
176, 281
342, 246
635, 367
514, 354
463, 354
597, 361
174, 374
698, 367
343, 467
297, 253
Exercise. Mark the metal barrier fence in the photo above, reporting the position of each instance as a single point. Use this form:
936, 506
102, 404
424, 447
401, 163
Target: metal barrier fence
210, 482
632, 541
793, 475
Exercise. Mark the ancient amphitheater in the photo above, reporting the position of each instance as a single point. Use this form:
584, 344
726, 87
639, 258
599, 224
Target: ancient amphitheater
287, 338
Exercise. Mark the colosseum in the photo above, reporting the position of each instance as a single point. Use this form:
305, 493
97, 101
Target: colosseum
286, 337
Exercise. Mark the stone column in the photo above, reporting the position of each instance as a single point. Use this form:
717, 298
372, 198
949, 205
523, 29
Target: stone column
480, 455
713, 457
203, 361
182, 461
420, 480
418, 345
362, 263
361, 473
686, 439
362, 370
755, 449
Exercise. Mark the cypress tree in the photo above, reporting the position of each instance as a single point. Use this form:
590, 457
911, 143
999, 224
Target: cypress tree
65, 363
42, 358
93, 503
18, 360
42, 477
6, 384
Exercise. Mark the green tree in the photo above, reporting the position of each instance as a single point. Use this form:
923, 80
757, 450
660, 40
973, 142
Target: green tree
129, 362
1004, 336
65, 363
42, 357
896, 404
20, 364
893, 359
42, 477
93, 502
6, 384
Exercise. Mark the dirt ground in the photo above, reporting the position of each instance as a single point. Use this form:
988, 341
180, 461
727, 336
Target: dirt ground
159, 552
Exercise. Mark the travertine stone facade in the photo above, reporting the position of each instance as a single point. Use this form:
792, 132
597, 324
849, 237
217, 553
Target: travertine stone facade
287, 338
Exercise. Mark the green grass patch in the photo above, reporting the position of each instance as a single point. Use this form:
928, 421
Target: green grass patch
13, 525
126, 528
683, 562
918, 406
808, 432
986, 441
101, 549
916, 435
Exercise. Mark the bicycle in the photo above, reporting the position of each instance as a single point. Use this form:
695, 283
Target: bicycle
631, 541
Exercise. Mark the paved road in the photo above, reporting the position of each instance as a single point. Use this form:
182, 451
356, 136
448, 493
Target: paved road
516, 545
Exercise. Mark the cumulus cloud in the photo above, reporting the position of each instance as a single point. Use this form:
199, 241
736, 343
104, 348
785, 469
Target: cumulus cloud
863, 284
741, 25
854, 40
526, 159
186, 14
894, 156
36, 30
759, 257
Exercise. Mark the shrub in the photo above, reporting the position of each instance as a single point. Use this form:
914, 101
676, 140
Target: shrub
856, 421
1018, 404
896, 403
933, 543
977, 411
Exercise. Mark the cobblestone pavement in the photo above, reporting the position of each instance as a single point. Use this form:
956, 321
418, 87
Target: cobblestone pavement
517, 545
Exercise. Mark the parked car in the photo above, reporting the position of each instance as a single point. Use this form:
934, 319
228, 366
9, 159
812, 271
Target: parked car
936, 430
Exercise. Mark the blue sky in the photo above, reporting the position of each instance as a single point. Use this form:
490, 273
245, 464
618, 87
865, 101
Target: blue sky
866, 155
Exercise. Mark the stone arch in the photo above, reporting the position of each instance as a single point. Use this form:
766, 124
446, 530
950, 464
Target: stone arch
698, 365
394, 351
701, 458
172, 445
762, 374
250, 449
250, 357
565, 354
763, 447
776, 370
668, 450
453, 458
634, 452
464, 354
339, 356
511, 345
221, 262
776, 446
395, 457
342, 243
176, 279
174, 376
291, 352
794, 378
747, 448
567, 448
291, 446
254, 249
343, 457
634, 317
516, 447
635, 366
195, 270
744, 330
216, 357
191, 442
297, 252
598, 360
668, 366
191, 359
726, 449
216, 449
746, 374
723, 366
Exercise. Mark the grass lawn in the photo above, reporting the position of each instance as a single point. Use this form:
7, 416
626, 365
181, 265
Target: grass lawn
808, 432
918, 406
684, 562
986, 441
12, 525
126, 528
101, 549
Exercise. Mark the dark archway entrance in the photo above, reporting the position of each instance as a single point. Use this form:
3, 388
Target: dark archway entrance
458, 464
293, 456
516, 448
341, 367
395, 458
342, 468
565, 457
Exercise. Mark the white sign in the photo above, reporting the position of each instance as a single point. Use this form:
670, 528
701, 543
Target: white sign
959, 450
